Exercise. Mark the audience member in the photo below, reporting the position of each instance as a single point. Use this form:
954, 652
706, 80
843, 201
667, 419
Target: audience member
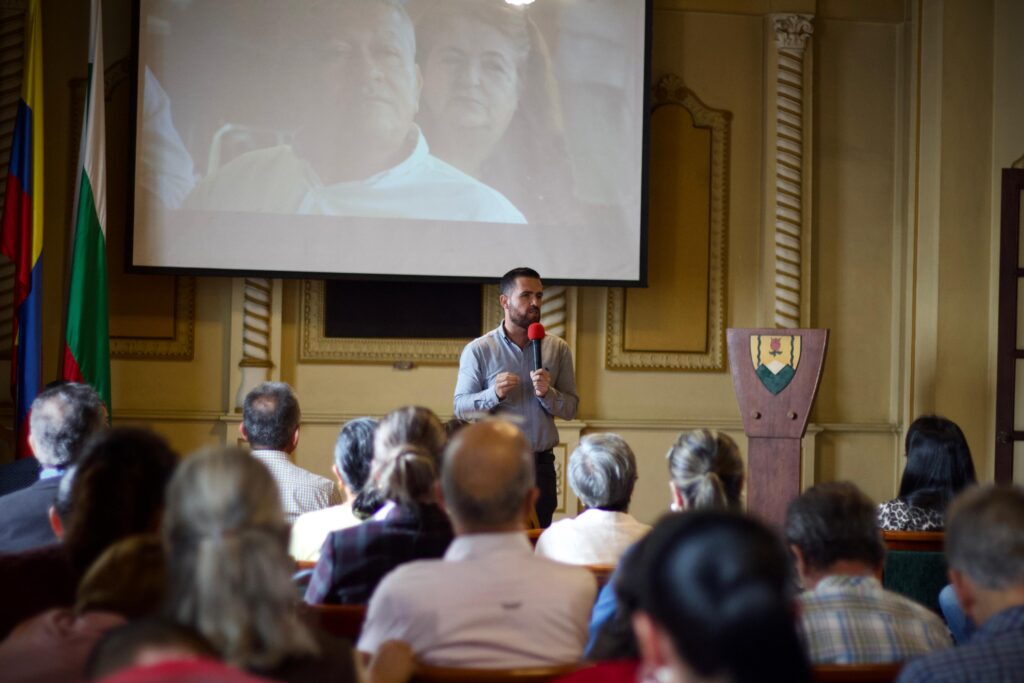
270, 423
117, 491
490, 602
229, 571
845, 615
705, 472
985, 551
353, 454
146, 643
939, 466
126, 582
18, 475
62, 419
713, 603
411, 526
602, 472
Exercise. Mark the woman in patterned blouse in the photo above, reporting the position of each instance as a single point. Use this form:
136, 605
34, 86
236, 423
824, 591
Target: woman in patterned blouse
939, 466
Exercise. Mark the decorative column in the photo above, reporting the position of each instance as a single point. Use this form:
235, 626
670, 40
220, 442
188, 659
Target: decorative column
257, 300
791, 208
554, 312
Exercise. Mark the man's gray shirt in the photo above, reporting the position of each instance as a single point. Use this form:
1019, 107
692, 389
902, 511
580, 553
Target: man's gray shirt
484, 358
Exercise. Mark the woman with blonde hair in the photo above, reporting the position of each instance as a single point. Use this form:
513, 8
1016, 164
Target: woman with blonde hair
705, 471
230, 574
410, 526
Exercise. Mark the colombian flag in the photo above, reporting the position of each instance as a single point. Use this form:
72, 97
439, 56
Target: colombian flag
21, 234
87, 341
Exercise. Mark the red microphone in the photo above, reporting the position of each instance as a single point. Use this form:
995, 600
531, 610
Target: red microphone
535, 332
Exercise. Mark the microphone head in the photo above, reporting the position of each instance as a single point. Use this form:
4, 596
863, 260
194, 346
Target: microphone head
535, 332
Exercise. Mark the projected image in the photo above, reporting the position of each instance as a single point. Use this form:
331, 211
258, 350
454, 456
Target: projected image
318, 135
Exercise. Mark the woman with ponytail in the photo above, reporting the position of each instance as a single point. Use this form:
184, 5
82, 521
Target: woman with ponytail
229, 571
410, 526
706, 471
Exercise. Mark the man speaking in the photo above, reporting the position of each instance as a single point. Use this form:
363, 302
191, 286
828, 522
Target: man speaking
497, 373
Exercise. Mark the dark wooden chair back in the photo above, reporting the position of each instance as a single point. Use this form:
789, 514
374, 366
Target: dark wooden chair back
601, 572
920, 541
856, 673
343, 621
540, 674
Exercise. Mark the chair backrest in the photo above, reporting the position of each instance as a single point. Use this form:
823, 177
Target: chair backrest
915, 565
920, 541
601, 572
856, 673
541, 674
344, 621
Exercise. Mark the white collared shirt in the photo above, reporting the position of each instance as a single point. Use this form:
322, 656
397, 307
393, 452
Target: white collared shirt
593, 537
490, 603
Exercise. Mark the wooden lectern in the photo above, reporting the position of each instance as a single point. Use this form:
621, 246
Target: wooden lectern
775, 373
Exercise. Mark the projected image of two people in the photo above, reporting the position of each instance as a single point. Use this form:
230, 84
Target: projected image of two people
427, 109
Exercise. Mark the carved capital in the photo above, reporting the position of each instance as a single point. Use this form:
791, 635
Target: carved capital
792, 31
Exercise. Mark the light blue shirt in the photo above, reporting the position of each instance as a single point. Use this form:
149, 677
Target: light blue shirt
484, 358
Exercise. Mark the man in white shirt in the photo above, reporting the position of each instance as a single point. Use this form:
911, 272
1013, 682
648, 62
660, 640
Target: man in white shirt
363, 155
270, 423
602, 472
490, 603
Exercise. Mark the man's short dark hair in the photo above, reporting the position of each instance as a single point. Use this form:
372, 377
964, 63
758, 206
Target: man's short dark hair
271, 415
832, 522
507, 285
63, 418
985, 536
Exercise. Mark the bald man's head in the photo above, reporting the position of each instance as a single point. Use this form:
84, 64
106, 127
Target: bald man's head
488, 478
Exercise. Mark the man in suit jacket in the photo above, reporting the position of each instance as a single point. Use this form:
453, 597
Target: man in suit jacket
63, 417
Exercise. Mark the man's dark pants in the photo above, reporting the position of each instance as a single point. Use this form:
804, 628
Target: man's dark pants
548, 485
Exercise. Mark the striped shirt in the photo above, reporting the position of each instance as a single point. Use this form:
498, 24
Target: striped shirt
853, 620
301, 490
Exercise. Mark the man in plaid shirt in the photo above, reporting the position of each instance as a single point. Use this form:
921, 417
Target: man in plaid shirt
270, 423
985, 552
846, 617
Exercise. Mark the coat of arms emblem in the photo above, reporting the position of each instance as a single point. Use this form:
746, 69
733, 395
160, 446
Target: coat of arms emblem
775, 358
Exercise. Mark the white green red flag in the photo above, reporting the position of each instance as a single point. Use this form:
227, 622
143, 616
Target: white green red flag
87, 340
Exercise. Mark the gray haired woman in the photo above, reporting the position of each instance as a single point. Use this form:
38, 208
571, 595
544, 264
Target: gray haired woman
602, 473
229, 570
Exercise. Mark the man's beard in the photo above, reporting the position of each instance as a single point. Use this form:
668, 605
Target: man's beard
524, 320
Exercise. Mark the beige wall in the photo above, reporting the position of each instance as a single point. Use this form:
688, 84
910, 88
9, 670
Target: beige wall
904, 154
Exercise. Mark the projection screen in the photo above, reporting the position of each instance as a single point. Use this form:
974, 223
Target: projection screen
381, 138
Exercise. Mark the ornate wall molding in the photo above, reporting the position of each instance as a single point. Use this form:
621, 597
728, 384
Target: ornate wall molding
792, 33
671, 91
179, 347
316, 347
558, 318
